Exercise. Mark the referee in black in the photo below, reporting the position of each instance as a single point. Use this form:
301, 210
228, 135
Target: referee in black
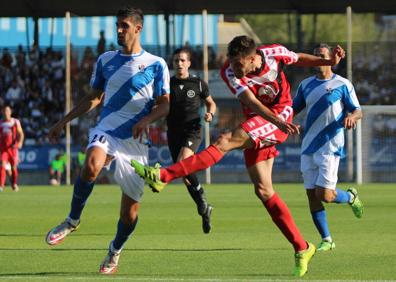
184, 124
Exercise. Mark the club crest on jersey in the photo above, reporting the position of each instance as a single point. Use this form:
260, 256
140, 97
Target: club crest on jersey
329, 89
110, 68
190, 93
141, 68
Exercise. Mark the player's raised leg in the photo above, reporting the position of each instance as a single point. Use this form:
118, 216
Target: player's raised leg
157, 177
83, 186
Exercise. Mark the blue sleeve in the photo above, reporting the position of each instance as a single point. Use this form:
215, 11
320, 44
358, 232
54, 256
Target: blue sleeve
97, 79
161, 80
299, 100
350, 99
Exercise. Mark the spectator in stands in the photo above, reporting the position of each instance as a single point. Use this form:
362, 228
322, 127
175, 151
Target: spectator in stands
14, 93
101, 47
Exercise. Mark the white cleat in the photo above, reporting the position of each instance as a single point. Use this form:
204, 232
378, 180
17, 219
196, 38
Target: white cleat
110, 263
57, 234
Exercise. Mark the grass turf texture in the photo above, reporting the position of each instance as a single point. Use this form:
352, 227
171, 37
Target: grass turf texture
168, 244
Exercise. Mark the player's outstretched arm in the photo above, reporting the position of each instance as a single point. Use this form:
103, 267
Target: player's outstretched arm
248, 99
308, 60
86, 104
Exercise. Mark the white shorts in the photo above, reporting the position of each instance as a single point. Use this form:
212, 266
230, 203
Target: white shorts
320, 170
123, 152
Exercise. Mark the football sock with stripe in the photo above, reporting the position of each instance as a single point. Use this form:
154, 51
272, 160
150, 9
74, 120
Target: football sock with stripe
320, 220
197, 162
81, 192
282, 217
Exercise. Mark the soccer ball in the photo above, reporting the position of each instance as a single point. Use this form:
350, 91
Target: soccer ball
54, 182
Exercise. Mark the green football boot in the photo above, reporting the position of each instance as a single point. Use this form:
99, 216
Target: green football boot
302, 260
356, 205
325, 246
150, 174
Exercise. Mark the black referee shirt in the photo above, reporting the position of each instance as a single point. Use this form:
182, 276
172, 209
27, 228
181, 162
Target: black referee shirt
185, 99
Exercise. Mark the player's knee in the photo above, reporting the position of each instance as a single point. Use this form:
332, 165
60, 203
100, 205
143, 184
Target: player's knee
263, 192
90, 171
327, 196
223, 141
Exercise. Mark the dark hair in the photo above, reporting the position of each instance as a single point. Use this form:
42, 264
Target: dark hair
323, 45
182, 50
135, 13
241, 46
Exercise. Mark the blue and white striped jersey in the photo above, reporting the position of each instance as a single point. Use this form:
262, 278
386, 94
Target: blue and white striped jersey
131, 84
327, 103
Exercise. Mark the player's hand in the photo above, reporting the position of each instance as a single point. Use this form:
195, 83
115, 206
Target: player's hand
337, 55
20, 144
349, 122
208, 117
139, 129
288, 127
54, 132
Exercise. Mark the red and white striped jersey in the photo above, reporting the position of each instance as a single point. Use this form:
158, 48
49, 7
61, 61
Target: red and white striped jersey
8, 133
270, 86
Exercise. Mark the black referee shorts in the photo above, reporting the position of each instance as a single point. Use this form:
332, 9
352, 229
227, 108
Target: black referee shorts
183, 136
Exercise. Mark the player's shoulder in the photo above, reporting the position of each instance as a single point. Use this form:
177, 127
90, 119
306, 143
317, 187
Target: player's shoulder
195, 78
106, 56
268, 48
147, 56
342, 80
307, 80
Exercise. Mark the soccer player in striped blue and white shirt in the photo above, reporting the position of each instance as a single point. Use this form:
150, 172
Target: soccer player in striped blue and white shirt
133, 86
332, 106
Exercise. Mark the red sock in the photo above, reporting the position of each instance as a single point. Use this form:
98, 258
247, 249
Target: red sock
282, 217
14, 177
197, 162
2, 176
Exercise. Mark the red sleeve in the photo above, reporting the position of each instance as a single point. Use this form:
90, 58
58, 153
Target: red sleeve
280, 53
237, 86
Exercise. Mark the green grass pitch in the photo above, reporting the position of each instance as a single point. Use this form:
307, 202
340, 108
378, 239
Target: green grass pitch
168, 244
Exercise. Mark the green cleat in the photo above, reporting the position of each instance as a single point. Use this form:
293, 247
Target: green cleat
356, 205
326, 246
302, 259
151, 175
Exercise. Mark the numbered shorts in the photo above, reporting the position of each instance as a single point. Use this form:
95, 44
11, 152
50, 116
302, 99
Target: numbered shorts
320, 170
10, 156
260, 131
123, 151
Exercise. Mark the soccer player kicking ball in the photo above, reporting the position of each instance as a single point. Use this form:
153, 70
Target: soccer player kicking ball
134, 88
255, 76
329, 98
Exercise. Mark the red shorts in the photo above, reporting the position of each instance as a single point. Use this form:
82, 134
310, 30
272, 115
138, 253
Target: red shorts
10, 155
261, 130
